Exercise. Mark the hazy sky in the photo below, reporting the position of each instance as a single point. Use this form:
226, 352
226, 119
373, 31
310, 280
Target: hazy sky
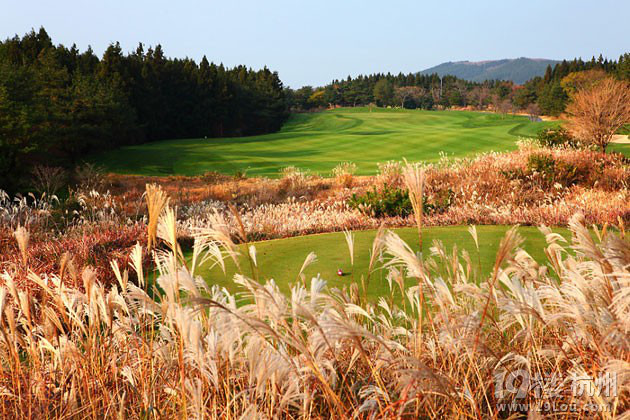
316, 41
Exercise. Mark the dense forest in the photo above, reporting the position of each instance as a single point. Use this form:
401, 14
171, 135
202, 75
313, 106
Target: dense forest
547, 95
58, 104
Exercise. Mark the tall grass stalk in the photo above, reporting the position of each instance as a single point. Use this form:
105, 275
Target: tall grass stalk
22, 237
157, 200
414, 177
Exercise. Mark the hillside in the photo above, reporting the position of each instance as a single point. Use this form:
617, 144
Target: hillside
519, 70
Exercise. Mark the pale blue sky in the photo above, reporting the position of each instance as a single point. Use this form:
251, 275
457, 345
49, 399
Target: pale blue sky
313, 42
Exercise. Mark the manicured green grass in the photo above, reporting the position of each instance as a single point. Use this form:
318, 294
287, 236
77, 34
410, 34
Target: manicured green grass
319, 141
620, 148
282, 259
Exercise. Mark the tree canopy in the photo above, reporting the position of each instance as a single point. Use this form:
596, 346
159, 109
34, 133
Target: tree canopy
58, 104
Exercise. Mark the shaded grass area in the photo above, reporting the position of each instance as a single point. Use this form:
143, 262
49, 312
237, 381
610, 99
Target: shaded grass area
281, 259
319, 141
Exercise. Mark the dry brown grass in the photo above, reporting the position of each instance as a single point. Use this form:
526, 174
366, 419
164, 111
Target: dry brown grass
490, 189
157, 200
434, 349
185, 191
344, 174
48, 254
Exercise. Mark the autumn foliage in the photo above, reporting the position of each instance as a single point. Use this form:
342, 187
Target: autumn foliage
596, 112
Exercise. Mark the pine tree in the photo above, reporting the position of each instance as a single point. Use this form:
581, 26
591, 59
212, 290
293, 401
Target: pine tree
384, 92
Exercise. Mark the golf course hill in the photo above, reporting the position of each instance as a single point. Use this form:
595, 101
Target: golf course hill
317, 142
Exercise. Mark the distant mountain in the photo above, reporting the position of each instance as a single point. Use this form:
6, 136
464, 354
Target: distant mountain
519, 70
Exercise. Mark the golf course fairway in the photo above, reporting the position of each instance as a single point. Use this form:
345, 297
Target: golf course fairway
317, 142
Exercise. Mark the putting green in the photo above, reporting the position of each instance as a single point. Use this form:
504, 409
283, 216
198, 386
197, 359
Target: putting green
282, 259
320, 141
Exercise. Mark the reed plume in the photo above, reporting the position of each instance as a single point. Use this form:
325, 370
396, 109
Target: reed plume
157, 200
414, 177
22, 237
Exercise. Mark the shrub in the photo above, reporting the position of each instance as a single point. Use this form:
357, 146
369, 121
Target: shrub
557, 137
439, 202
568, 174
49, 179
552, 171
89, 177
293, 179
542, 163
388, 201
394, 202
344, 173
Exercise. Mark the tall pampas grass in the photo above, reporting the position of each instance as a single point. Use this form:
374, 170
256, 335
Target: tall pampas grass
22, 237
182, 347
310, 259
349, 236
344, 174
414, 177
157, 200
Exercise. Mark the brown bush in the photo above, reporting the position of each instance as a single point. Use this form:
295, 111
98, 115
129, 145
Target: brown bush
597, 111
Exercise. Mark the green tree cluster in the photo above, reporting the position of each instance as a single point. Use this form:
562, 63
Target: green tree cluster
550, 94
432, 91
58, 104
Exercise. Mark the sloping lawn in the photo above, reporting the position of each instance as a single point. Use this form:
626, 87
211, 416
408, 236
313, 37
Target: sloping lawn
320, 141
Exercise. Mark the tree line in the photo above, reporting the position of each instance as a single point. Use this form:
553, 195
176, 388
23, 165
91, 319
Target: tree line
58, 104
547, 95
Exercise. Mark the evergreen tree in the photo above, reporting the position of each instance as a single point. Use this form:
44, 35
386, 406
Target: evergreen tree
384, 92
553, 99
58, 104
